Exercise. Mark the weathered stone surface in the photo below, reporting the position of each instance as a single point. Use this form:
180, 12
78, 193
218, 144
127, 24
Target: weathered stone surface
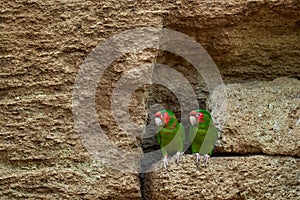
42, 47
38, 127
43, 43
42, 156
261, 117
66, 181
254, 177
247, 39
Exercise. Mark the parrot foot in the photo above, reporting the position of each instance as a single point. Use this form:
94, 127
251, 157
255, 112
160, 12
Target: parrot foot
197, 157
178, 154
206, 156
165, 162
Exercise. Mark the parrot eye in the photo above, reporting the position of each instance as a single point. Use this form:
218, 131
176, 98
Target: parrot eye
200, 114
163, 115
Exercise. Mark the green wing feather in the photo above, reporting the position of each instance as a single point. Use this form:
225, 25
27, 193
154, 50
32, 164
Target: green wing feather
181, 133
191, 134
158, 137
202, 140
171, 141
210, 139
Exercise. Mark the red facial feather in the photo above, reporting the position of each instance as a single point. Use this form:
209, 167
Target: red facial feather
163, 116
200, 116
166, 118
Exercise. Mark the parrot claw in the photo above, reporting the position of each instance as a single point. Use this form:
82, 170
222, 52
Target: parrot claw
206, 156
178, 154
165, 162
197, 157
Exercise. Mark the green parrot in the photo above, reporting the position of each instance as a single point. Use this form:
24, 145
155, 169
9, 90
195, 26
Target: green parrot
170, 136
202, 134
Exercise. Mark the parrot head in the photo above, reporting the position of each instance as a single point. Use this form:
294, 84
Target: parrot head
199, 117
164, 117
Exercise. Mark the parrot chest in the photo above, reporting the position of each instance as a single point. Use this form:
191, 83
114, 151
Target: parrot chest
204, 141
172, 141
201, 133
167, 137
198, 140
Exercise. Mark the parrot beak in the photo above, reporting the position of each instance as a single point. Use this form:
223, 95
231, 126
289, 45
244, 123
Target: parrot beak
158, 121
157, 118
193, 120
193, 113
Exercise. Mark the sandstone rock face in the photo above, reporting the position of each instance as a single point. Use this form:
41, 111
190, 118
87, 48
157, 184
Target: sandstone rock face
42, 47
66, 180
261, 117
254, 177
258, 39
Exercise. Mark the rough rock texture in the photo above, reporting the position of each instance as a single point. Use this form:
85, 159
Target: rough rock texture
43, 43
41, 48
247, 39
260, 117
254, 177
66, 181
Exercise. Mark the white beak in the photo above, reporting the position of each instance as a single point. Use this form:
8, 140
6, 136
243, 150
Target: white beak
193, 120
158, 121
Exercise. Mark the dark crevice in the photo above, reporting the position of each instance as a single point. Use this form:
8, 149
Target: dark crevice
142, 178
